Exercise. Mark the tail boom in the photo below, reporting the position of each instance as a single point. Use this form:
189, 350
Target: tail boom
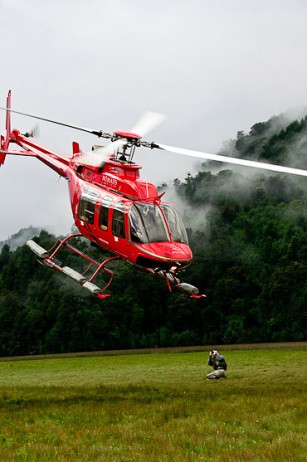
57, 162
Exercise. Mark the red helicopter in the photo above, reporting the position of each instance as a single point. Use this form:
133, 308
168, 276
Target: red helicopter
113, 207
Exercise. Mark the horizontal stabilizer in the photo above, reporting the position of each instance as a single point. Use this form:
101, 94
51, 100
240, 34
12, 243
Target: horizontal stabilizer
73, 274
37, 249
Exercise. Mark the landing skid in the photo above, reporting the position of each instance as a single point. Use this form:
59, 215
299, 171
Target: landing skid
173, 282
48, 257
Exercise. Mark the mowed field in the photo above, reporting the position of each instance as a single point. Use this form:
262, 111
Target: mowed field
156, 407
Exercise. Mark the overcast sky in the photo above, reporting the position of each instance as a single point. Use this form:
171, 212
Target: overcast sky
212, 66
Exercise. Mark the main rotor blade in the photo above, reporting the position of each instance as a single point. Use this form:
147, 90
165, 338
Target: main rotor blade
90, 159
147, 122
98, 133
100, 155
234, 160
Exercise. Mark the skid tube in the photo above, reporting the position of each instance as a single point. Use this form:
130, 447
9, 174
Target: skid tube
48, 257
173, 282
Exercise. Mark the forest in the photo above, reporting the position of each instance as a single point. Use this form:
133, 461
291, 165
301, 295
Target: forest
248, 233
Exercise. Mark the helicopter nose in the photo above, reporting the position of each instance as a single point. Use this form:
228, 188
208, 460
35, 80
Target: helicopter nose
171, 251
177, 250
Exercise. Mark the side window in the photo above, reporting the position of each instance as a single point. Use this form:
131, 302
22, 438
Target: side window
118, 226
104, 212
86, 210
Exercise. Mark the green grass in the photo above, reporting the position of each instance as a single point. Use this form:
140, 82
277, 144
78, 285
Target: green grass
155, 407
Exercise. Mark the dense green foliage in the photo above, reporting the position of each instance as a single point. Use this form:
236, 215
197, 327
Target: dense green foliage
250, 247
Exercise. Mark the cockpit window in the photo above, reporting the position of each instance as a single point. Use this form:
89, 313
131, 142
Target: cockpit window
175, 224
147, 224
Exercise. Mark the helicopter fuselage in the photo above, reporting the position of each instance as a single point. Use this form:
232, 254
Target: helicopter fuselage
112, 207
116, 209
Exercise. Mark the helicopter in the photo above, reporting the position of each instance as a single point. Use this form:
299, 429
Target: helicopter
113, 207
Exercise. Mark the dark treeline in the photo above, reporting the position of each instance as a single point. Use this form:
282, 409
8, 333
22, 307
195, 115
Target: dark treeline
248, 233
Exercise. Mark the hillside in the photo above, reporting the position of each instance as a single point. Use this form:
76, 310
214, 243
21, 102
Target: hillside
20, 238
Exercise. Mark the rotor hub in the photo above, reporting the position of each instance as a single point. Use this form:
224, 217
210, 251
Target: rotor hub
128, 135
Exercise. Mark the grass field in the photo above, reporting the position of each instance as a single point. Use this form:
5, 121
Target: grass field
155, 407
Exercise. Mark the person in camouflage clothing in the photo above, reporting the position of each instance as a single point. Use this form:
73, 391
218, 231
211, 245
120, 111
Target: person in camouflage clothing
217, 361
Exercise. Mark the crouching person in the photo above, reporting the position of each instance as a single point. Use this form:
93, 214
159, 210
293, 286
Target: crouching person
219, 365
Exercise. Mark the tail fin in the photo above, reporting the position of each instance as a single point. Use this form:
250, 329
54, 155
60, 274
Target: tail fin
2, 155
5, 140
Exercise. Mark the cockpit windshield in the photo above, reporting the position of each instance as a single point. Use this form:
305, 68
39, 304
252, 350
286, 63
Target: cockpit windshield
147, 223
175, 224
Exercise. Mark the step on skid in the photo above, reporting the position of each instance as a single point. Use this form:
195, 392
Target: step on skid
47, 257
173, 282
